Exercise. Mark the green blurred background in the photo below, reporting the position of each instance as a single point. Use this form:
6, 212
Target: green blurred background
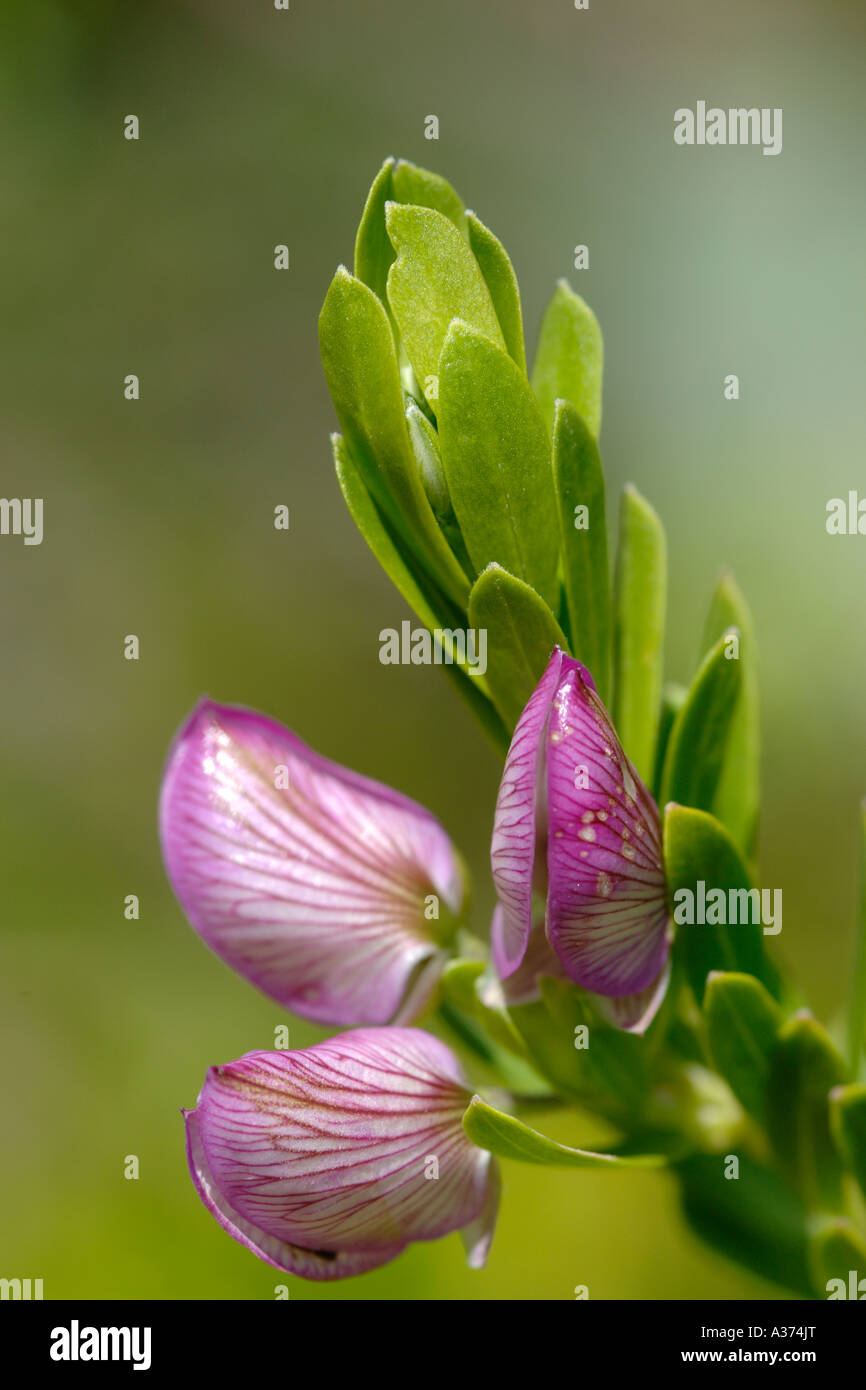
260, 127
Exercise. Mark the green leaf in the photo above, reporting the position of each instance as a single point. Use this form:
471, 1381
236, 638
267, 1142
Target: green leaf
805, 1068
857, 1007
610, 1074
521, 635
848, 1125
507, 1137
613, 1061
837, 1249
462, 982
743, 1022
425, 447
361, 369
497, 461
373, 251
425, 189
737, 795
698, 849
430, 606
569, 358
579, 483
754, 1219
696, 748
434, 280
673, 699
501, 281
639, 624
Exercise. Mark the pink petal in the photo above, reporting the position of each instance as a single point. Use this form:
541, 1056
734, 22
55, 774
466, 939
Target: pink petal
322, 1160
519, 825
607, 917
521, 987
316, 891
635, 1012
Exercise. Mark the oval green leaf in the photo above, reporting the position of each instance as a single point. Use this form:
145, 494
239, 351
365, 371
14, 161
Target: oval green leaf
737, 796
569, 358
434, 280
698, 740
699, 851
580, 494
639, 625
498, 272
521, 636
361, 369
497, 461
743, 1023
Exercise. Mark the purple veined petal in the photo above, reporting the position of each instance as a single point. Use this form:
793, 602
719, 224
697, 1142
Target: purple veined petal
607, 916
519, 824
634, 1013
293, 1259
313, 889
521, 987
330, 1160
477, 1236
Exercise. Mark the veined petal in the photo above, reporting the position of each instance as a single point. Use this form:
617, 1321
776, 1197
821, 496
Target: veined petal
330, 1160
519, 825
521, 987
635, 1012
308, 879
607, 917
294, 1259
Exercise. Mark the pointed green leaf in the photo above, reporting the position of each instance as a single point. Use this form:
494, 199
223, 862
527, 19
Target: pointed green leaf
463, 983
579, 482
848, 1123
836, 1248
857, 1007
612, 1061
737, 795
805, 1068
373, 250
425, 189
361, 370
569, 358
501, 281
754, 1219
369, 522
507, 1137
434, 280
743, 1022
430, 606
609, 1073
698, 739
673, 699
698, 850
521, 635
639, 625
497, 462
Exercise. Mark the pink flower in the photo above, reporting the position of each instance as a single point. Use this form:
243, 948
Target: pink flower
575, 824
329, 1161
330, 892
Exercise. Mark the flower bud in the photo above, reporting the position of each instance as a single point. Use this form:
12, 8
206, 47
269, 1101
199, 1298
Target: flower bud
575, 824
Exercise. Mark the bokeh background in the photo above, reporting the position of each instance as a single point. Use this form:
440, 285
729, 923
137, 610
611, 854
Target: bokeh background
260, 127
